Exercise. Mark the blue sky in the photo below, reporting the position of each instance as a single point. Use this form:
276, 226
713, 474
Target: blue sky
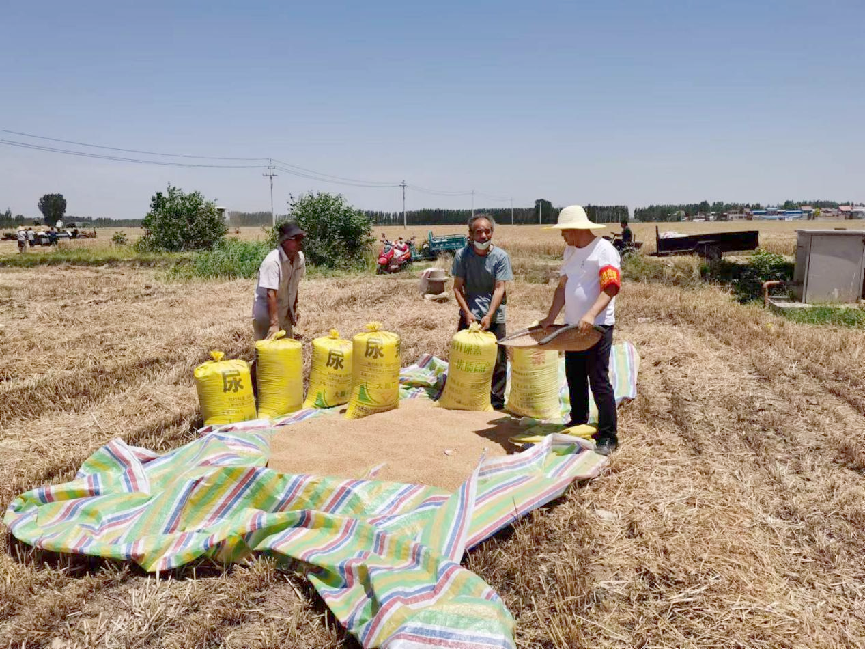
605, 102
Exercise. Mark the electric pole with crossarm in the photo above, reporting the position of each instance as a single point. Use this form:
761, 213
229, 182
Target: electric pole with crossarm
271, 175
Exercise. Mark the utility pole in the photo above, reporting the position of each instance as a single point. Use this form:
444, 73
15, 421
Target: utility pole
473, 202
540, 213
271, 175
404, 224
512, 211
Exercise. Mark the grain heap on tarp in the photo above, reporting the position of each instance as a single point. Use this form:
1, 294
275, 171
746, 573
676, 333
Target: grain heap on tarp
418, 443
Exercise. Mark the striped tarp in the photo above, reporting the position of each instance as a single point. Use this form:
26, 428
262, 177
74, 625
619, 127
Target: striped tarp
384, 556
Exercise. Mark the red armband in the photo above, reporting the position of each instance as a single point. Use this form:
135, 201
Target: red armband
610, 276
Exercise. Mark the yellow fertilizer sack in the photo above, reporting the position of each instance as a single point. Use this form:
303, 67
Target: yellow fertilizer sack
375, 364
224, 390
330, 376
534, 384
279, 375
470, 371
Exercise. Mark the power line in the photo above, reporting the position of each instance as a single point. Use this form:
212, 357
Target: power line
112, 148
435, 192
493, 198
361, 183
332, 179
100, 156
270, 164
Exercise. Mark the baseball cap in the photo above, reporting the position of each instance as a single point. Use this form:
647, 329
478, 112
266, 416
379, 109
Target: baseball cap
290, 231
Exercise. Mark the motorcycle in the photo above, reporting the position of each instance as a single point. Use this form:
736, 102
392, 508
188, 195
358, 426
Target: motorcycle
624, 249
394, 255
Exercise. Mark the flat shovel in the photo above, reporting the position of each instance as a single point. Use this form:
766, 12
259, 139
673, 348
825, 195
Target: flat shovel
567, 338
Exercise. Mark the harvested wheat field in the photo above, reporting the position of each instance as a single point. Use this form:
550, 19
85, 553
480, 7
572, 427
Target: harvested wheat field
529, 241
733, 514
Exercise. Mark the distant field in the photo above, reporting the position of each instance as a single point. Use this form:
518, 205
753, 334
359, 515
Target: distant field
530, 240
775, 236
104, 235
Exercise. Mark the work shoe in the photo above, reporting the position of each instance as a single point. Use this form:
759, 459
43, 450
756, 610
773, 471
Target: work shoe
606, 446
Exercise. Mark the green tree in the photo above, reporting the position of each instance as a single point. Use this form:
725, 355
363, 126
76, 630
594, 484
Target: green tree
179, 221
53, 207
544, 211
337, 234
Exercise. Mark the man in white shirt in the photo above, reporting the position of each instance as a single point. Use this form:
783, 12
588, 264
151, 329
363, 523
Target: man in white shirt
590, 280
275, 305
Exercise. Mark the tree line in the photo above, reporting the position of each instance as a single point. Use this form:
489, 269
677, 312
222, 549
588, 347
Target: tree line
53, 207
677, 212
103, 222
543, 213
252, 219
7, 221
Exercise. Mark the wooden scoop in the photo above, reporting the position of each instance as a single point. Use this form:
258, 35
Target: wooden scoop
567, 338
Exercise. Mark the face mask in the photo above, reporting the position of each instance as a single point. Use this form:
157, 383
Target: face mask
482, 246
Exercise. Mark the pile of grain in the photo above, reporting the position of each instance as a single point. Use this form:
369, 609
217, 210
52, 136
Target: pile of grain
419, 442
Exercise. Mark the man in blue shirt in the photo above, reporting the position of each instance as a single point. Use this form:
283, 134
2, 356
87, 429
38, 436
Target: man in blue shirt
480, 272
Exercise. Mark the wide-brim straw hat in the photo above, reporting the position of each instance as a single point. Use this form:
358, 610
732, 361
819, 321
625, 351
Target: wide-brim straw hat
573, 217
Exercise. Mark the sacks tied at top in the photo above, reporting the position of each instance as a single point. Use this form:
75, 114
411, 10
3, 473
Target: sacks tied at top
470, 370
375, 372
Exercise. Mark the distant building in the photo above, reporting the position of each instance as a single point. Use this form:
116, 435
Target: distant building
852, 211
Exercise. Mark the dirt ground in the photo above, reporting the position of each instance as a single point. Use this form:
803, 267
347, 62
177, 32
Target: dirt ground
733, 514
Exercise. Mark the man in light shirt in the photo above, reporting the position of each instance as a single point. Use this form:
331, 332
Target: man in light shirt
275, 305
590, 280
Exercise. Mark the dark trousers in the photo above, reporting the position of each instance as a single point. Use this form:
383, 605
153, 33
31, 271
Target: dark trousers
500, 371
592, 366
